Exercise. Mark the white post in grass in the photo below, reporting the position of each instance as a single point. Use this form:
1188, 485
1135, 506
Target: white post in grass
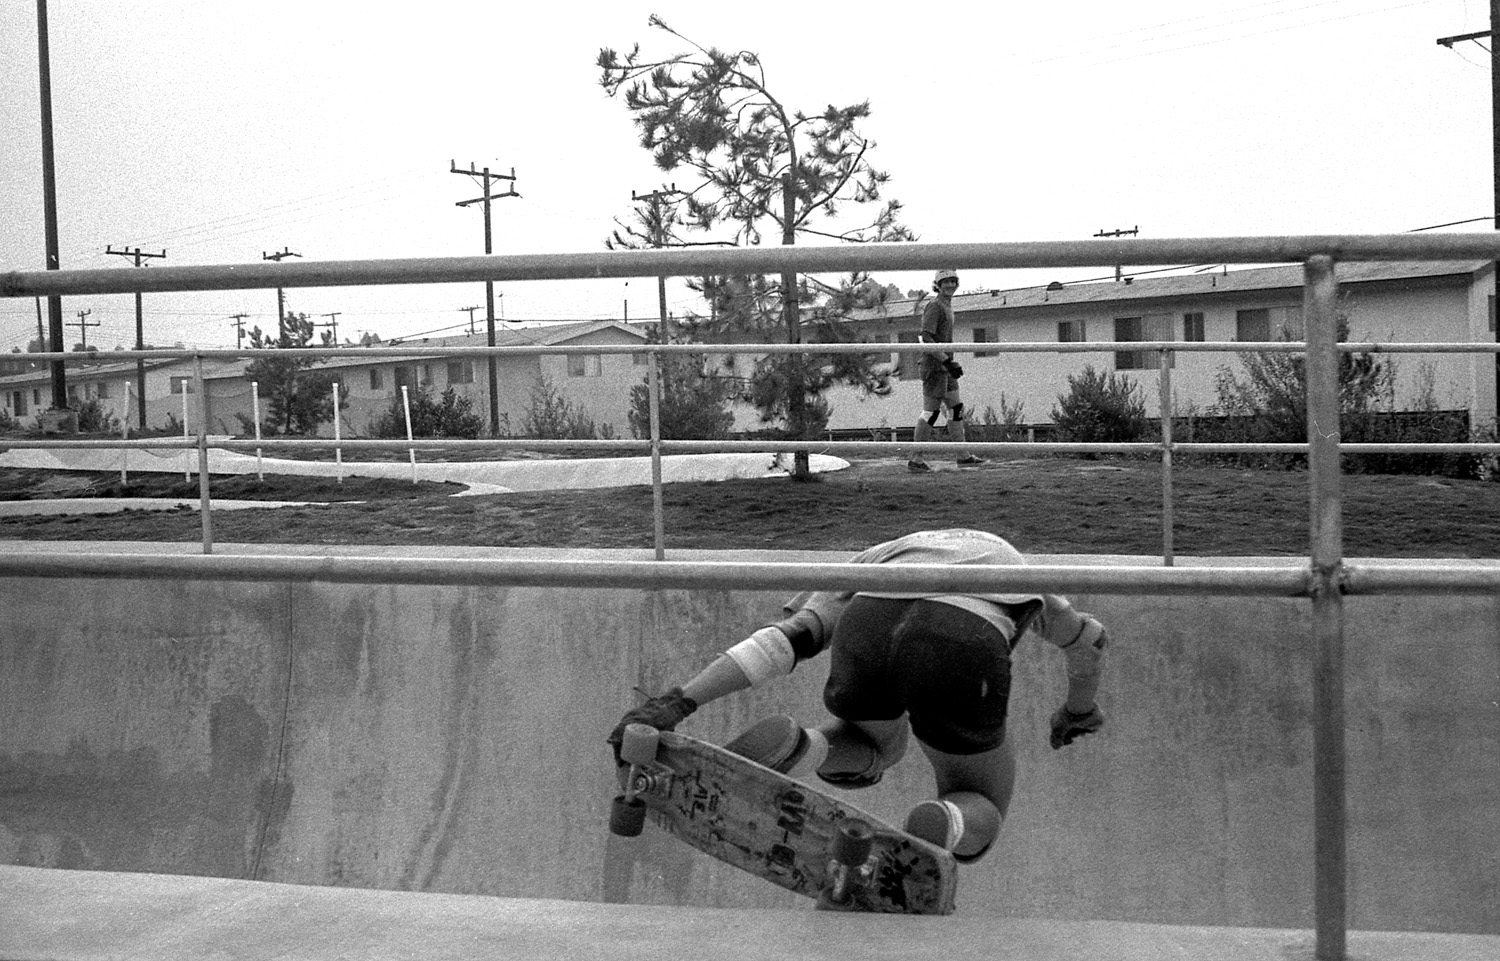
187, 455
338, 452
255, 408
406, 402
124, 453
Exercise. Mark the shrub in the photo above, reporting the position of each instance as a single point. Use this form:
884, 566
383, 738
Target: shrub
549, 416
1100, 407
1006, 424
450, 415
694, 403
93, 418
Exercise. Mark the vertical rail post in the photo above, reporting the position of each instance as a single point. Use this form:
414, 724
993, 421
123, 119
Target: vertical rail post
653, 388
1166, 457
204, 499
1330, 906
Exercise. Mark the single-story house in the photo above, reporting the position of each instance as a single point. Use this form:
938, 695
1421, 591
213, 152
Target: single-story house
597, 385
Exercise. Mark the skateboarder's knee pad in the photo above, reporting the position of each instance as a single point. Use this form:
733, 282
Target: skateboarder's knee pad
932, 418
958, 412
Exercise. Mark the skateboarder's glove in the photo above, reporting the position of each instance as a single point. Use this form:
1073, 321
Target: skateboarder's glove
954, 370
663, 712
1067, 726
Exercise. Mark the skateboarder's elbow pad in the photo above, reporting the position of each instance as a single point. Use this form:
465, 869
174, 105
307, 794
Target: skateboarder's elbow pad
764, 655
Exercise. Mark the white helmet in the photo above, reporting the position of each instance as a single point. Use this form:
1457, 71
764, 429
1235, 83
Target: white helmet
942, 275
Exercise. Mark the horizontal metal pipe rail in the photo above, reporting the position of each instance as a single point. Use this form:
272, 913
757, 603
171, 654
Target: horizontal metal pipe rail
1292, 580
873, 448
700, 261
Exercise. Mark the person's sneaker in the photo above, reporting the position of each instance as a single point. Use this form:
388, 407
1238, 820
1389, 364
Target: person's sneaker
969, 460
779, 743
918, 467
938, 822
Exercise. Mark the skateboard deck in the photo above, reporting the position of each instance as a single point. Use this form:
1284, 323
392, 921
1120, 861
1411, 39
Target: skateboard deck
778, 828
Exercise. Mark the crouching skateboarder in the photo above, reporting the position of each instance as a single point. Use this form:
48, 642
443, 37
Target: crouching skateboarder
936, 667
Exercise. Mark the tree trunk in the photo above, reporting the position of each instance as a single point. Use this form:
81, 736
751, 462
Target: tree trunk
796, 393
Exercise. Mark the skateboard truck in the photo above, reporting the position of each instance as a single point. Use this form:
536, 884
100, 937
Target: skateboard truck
851, 865
627, 815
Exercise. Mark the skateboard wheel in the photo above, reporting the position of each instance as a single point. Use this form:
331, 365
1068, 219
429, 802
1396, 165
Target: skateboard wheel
851, 846
638, 744
627, 816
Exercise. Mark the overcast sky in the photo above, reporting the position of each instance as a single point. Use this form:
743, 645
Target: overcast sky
224, 131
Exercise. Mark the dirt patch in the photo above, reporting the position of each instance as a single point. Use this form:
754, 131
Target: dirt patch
1043, 505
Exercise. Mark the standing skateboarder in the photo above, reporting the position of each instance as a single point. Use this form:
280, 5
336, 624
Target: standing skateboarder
940, 373
933, 666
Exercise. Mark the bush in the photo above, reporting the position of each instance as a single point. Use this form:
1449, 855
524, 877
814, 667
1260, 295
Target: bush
549, 416
1100, 407
93, 418
1007, 424
694, 403
451, 415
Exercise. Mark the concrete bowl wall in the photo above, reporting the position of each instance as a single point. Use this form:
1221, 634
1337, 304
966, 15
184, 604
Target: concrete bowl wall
451, 739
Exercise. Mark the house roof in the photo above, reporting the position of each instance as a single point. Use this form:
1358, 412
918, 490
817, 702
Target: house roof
214, 369
97, 371
1186, 285
506, 337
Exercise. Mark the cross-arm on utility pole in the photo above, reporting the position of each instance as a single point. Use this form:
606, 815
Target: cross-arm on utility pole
486, 179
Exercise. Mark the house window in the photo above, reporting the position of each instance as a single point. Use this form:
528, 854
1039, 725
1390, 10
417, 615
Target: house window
1192, 326
1252, 325
1266, 324
985, 335
426, 375
406, 376
36, 397
73, 393
18, 402
909, 363
182, 385
101, 390
583, 365
461, 372
1071, 332
1126, 329
641, 359
377, 378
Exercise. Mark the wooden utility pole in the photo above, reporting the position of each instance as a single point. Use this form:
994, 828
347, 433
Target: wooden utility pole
471, 315
237, 321
140, 333
334, 323
83, 326
59, 418
658, 200
486, 179
1494, 52
279, 256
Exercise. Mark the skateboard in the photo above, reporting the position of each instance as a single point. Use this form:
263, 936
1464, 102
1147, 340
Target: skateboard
776, 827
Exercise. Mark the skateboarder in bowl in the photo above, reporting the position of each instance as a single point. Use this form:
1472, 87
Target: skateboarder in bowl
902, 665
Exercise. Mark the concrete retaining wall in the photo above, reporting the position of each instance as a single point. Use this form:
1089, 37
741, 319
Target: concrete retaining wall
451, 739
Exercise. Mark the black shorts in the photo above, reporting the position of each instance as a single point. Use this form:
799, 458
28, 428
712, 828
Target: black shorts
946, 667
